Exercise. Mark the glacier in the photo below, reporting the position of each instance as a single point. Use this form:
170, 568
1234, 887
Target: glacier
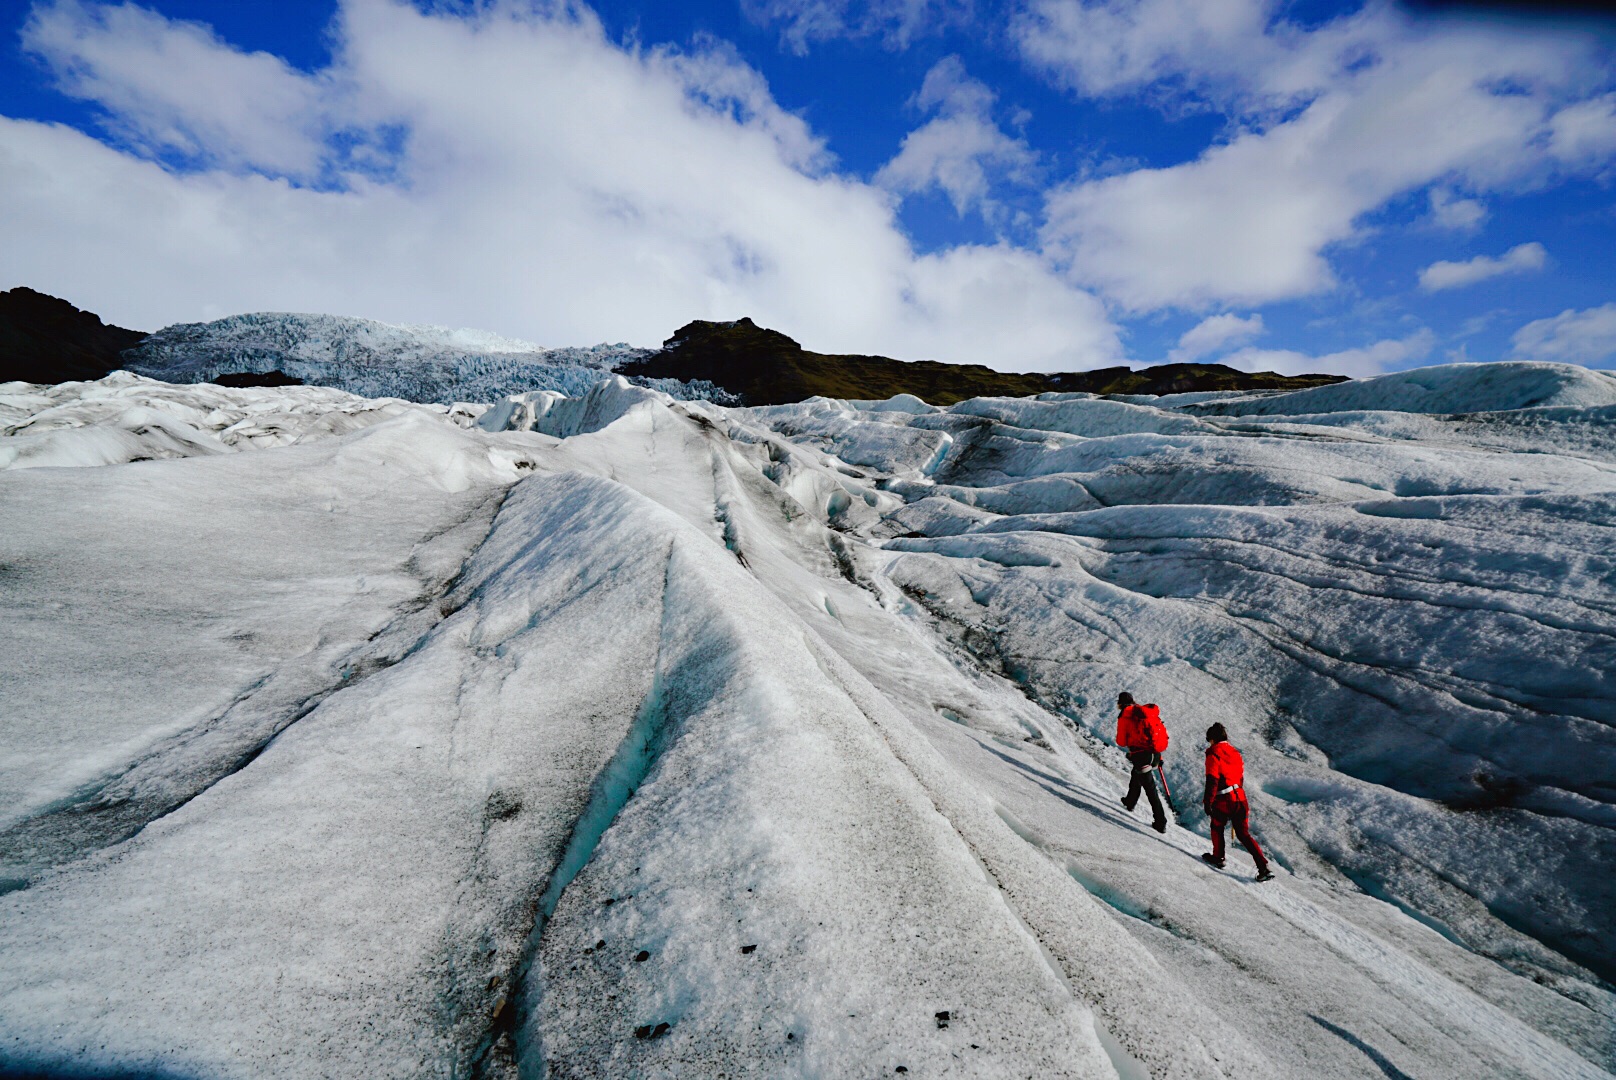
593, 732
430, 364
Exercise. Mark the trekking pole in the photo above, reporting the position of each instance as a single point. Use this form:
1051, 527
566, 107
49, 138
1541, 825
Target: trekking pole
1162, 773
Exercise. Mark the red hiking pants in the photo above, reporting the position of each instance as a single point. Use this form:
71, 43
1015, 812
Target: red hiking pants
1230, 812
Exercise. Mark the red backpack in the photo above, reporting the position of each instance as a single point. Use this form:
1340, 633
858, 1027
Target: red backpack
1155, 728
1149, 718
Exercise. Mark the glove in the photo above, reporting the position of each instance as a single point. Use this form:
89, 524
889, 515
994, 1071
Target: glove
1206, 805
1155, 760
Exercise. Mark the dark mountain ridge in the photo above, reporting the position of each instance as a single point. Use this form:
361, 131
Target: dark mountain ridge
765, 367
47, 340
44, 339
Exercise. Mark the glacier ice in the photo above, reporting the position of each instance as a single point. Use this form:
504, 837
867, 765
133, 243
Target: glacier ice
592, 732
1449, 388
431, 364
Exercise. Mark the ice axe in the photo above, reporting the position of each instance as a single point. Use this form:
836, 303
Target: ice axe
1162, 774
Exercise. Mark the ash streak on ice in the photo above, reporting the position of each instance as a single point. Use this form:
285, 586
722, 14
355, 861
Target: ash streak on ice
612, 735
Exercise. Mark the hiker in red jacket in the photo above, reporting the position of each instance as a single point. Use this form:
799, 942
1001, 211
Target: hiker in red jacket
1140, 732
1225, 800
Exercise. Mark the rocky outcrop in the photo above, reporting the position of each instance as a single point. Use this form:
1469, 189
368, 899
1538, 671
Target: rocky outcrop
47, 340
765, 367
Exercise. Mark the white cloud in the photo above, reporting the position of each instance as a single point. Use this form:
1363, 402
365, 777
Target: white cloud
1388, 355
1571, 337
1214, 333
546, 184
896, 22
1112, 45
174, 86
961, 149
1016, 315
716, 76
1451, 275
1584, 134
1449, 211
1331, 124
947, 87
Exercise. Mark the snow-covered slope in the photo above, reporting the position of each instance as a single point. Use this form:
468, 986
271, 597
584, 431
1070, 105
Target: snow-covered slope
618, 736
1451, 388
126, 417
417, 363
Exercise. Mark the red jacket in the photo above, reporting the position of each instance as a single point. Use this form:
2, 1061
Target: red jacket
1225, 768
1139, 727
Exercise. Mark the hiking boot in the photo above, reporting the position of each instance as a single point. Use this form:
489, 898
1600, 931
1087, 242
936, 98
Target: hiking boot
1159, 826
1126, 805
1265, 874
1212, 860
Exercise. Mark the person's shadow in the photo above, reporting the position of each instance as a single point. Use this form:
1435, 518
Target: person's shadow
1392, 1071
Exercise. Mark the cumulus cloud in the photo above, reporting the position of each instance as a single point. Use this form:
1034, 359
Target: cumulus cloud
1452, 275
1571, 337
1392, 354
896, 22
1215, 333
1584, 134
1449, 211
171, 86
1105, 46
1330, 124
540, 181
961, 149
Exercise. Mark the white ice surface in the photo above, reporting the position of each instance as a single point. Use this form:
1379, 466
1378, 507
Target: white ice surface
125, 417
1448, 388
423, 741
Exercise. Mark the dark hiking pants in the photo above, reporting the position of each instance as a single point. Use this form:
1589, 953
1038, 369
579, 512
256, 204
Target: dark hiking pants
1144, 778
1225, 812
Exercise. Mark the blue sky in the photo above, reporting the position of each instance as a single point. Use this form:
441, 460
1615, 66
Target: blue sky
1035, 185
